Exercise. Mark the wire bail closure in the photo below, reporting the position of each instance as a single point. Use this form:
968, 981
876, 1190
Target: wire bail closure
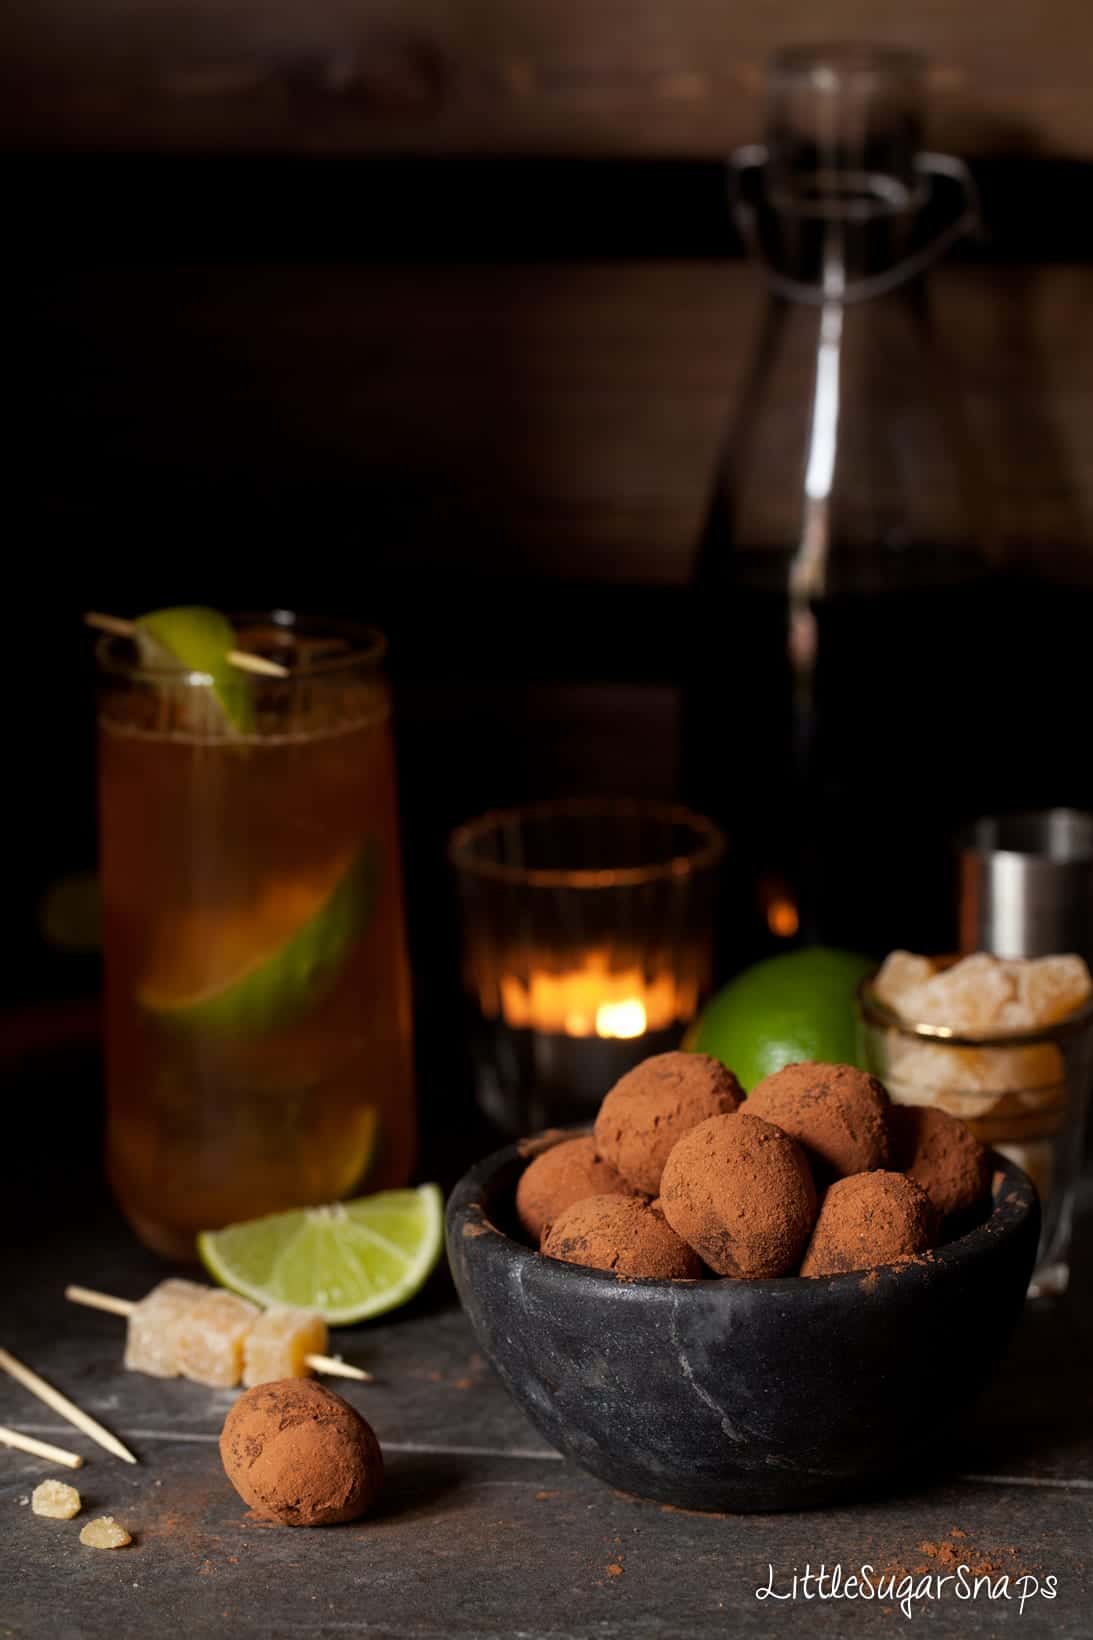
751, 159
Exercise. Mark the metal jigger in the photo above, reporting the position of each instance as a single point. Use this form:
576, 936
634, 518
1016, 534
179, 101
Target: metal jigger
1026, 884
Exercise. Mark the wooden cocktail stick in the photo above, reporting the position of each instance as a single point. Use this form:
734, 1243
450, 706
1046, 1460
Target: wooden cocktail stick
236, 657
61, 1404
40, 1449
334, 1367
91, 1300
330, 1365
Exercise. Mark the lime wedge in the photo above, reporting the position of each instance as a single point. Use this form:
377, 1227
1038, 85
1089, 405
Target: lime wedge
245, 971
198, 640
349, 1261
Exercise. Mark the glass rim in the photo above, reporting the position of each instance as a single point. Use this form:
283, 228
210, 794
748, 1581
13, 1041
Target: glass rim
877, 1013
708, 851
1056, 839
116, 655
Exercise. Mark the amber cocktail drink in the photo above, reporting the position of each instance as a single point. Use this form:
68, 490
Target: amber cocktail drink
257, 993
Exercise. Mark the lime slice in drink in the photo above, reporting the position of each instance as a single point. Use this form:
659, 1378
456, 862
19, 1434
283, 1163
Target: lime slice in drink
197, 640
244, 971
349, 1261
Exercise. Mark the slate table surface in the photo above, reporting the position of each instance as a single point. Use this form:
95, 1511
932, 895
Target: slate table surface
483, 1530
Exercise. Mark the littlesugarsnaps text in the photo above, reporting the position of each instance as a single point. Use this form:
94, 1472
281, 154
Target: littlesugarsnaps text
904, 1589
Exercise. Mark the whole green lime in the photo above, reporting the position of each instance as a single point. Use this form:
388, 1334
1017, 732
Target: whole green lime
789, 1008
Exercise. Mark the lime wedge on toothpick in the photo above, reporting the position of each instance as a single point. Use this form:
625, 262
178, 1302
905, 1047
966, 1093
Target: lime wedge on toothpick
248, 969
197, 640
349, 1261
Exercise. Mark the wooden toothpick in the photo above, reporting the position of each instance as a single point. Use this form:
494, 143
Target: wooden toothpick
239, 658
334, 1367
40, 1449
62, 1405
91, 1300
330, 1365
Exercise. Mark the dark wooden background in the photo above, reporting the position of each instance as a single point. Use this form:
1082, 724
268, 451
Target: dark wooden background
434, 313
507, 76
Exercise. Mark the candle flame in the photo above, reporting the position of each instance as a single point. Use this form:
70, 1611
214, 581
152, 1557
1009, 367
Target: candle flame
779, 907
622, 1019
595, 999
782, 918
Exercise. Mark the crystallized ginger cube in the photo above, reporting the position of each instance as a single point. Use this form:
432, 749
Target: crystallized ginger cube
938, 1068
900, 972
105, 1533
56, 1499
150, 1339
969, 997
1052, 987
279, 1343
210, 1337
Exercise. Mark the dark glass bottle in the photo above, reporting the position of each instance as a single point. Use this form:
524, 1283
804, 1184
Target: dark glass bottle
838, 720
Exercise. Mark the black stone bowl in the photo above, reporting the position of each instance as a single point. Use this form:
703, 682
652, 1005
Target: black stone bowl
742, 1395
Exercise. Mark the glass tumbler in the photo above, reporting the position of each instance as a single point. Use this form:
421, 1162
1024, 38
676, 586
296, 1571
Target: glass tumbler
588, 946
258, 1040
1024, 1093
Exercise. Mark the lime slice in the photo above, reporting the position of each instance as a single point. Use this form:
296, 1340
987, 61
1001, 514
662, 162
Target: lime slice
246, 971
198, 640
349, 1261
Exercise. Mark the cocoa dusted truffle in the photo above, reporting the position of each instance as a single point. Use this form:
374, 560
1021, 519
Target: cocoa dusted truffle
299, 1454
866, 1220
941, 1154
655, 1104
740, 1192
838, 1113
564, 1174
623, 1234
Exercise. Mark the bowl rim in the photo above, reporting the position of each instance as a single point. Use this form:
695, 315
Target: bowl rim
1014, 1195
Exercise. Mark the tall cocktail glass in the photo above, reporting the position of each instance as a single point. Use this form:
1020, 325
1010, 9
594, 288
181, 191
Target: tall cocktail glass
258, 1037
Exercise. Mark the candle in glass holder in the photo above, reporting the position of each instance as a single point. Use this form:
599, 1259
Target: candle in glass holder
587, 947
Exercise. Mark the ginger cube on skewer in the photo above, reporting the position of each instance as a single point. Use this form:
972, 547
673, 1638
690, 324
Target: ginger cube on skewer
279, 1343
150, 1338
210, 1337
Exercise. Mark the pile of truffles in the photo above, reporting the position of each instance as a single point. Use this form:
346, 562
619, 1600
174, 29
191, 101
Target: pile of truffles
816, 1173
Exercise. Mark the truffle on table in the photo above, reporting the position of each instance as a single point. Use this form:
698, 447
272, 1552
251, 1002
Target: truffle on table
623, 1234
838, 1113
941, 1154
655, 1104
299, 1454
867, 1220
559, 1177
740, 1192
